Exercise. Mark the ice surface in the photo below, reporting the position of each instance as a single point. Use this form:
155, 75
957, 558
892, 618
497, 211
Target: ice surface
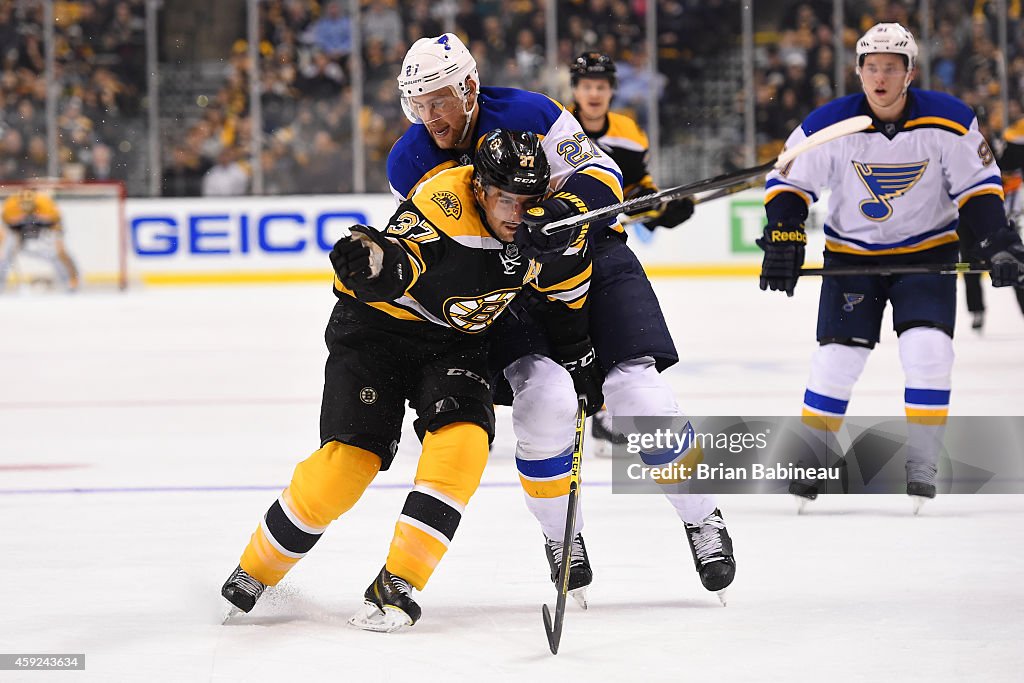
143, 435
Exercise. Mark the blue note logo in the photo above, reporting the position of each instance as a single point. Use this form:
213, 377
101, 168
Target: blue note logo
886, 182
851, 301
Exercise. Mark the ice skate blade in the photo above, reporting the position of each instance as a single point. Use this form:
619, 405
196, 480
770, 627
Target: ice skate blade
580, 596
371, 618
918, 502
722, 597
602, 448
232, 613
801, 504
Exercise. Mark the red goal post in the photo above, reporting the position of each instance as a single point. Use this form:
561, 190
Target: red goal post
95, 225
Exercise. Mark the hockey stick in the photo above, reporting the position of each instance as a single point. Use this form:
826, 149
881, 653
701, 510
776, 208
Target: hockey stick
726, 191
554, 630
827, 134
923, 269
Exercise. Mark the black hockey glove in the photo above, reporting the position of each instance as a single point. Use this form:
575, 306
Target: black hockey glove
783, 247
581, 362
676, 212
371, 265
533, 243
1005, 254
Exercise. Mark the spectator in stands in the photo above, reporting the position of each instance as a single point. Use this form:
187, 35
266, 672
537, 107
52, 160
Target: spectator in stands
332, 33
321, 77
183, 176
12, 153
100, 163
227, 177
382, 22
635, 82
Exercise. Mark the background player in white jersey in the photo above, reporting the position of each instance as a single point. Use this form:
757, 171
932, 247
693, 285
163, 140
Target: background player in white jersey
593, 80
899, 190
34, 224
442, 96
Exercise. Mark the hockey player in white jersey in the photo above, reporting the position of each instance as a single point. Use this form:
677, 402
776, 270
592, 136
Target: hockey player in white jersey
899, 191
443, 97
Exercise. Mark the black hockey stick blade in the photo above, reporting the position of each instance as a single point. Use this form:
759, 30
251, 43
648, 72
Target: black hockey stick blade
553, 627
920, 269
554, 636
848, 126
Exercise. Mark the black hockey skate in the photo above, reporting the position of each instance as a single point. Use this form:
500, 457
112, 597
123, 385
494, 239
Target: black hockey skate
580, 574
920, 483
242, 590
388, 605
712, 553
920, 493
602, 435
804, 493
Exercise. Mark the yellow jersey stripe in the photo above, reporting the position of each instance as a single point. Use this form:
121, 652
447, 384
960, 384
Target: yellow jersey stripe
605, 177
997, 191
775, 191
936, 121
842, 248
443, 166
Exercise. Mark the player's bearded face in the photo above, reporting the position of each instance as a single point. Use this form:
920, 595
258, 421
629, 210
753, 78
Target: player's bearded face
504, 210
594, 96
445, 115
884, 78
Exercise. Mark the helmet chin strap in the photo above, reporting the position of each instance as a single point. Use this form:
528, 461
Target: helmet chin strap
469, 120
910, 77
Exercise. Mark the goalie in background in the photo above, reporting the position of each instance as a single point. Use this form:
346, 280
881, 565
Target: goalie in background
33, 225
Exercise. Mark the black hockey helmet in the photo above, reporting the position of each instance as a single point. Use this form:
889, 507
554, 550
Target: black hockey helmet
512, 161
592, 65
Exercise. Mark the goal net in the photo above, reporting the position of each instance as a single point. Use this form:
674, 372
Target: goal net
95, 232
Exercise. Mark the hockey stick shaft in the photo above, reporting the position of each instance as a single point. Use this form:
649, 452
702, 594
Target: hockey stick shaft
554, 628
726, 191
836, 130
922, 269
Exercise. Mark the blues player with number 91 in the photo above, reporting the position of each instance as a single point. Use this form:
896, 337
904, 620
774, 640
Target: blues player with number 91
899, 191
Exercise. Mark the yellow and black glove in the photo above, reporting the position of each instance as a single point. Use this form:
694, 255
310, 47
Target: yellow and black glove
534, 243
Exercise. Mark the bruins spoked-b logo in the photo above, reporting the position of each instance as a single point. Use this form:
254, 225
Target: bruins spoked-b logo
475, 314
886, 182
449, 203
368, 395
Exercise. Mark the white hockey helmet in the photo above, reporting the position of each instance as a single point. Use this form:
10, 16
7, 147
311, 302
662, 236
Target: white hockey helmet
888, 38
435, 63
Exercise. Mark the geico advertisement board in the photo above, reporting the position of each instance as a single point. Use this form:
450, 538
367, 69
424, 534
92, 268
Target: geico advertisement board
280, 235
238, 234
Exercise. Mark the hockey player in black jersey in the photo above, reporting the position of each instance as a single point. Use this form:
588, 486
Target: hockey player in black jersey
416, 302
442, 95
593, 78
